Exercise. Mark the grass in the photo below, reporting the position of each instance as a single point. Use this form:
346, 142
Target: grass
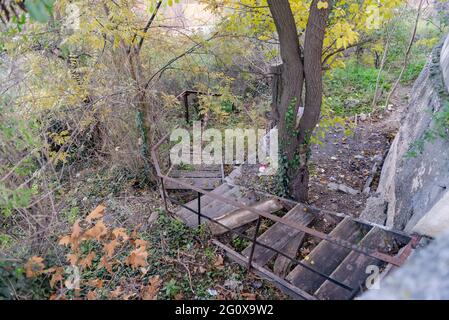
350, 90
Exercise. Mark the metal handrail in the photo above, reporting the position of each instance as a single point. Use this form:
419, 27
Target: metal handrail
396, 261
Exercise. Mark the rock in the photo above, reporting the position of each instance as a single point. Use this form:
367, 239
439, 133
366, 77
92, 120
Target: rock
232, 284
257, 284
351, 103
342, 188
377, 158
375, 210
212, 292
363, 117
153, 217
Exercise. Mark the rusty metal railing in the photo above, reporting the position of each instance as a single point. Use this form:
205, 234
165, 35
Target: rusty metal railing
396, 260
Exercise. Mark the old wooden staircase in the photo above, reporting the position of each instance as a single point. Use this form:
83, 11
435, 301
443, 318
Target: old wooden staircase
307, 252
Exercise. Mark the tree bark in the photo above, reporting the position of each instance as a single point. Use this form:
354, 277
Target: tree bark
313, 72
295, 139
288, 87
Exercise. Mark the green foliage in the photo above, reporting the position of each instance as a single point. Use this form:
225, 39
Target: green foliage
355, 82
17, 137
412, 71
15, 285
40, 10
282, 180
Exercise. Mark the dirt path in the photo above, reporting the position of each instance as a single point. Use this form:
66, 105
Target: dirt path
349, 160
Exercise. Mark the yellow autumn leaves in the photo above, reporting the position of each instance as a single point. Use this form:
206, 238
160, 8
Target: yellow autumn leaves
322, 5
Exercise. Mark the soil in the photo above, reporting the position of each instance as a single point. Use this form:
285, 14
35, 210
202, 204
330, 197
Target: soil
345, 159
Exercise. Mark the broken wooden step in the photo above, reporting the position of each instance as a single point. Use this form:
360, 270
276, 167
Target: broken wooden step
195, 174
353, 270
279, 235
185, 214
240, 217
202, 183
217, 208
326, 256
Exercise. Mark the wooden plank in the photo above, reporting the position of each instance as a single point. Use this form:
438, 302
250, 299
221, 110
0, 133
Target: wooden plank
280, 283
202, 183
282, 264
185, 214
352, 271
217, 208
241, 217
326, 256
280, 234
195, 174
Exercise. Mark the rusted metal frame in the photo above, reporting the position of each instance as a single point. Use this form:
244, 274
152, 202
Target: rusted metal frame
282, 284
404, 253
342, 243
406, 238
199, 209
366, 251
253, 247
255, 242
185, 98
407, 250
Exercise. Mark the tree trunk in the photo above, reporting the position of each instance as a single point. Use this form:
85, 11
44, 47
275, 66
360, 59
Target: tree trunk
288, 90
295, 135
143, 115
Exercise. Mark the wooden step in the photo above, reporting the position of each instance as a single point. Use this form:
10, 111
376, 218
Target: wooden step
326, 256
185, 214
352, 271
279, 235
240, 217
217, 208
195, 174
202, 183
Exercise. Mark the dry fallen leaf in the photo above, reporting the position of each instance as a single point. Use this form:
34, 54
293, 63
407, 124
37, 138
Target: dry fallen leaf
150, 292
76, 230
141, 243
120, 233
104, 263
219, 261
34, 266
249, 296
92, 295
116, 293
97, 283
97, 213
97, 231
72, 258
138, 258
65, 240
57, 277
110, 248
87, 262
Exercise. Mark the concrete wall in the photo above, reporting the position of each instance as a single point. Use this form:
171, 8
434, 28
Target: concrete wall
416, 188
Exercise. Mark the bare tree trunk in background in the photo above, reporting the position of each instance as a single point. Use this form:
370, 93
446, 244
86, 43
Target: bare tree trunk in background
144, 114
407, 54
381, 67
296, 73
